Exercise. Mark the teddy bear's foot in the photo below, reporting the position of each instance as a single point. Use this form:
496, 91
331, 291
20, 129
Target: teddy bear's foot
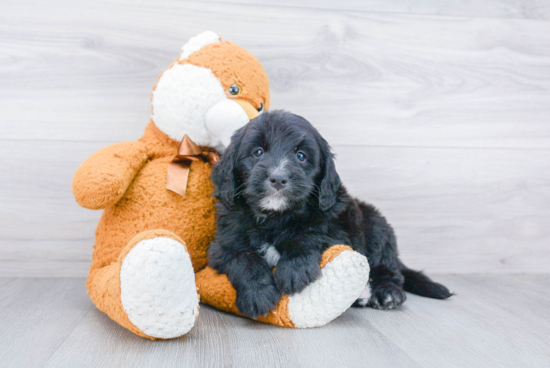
151, 289
158, 289
344, 274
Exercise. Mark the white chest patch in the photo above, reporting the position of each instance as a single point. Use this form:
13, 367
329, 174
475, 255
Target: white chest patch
270, 254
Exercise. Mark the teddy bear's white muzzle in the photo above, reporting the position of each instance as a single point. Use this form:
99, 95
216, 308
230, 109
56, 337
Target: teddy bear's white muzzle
227, 116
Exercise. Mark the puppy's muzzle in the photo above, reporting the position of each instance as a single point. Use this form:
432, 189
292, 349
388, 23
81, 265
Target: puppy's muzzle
276, 185
278, 180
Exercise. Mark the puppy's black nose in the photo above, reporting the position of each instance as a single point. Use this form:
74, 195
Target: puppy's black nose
278, 180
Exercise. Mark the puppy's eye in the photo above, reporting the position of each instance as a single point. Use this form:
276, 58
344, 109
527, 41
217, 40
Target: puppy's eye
234, 90
259, 152
261, 108
301, 156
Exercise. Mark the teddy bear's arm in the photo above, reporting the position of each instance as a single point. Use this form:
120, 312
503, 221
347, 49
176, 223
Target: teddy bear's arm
104, 177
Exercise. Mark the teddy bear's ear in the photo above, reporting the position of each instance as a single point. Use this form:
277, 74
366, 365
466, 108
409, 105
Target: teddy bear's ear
198, 42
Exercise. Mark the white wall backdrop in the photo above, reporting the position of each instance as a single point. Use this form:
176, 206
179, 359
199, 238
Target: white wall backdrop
439, 113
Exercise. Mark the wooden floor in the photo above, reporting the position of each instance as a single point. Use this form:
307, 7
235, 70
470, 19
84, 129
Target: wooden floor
493, 321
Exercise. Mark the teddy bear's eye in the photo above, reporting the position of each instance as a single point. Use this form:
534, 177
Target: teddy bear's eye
234, 90
261, 108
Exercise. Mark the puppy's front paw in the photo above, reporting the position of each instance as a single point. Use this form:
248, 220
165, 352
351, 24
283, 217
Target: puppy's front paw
386, 295
294, 275
254, 302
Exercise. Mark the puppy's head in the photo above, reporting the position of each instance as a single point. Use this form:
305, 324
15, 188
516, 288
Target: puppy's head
277, 162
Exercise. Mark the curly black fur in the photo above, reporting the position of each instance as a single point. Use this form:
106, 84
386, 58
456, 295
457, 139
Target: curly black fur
282, 203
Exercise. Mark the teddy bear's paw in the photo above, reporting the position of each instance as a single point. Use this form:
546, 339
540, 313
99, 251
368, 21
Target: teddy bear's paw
342, 281
158, 289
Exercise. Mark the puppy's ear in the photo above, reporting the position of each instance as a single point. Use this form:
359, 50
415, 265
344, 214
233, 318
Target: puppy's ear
330, 181
223, 175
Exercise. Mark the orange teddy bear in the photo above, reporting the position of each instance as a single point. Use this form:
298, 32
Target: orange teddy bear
159, 213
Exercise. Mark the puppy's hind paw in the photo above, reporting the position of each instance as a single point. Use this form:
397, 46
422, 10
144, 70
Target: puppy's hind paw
386, 296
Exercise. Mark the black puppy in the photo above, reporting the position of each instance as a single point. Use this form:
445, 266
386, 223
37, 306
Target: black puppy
282, 204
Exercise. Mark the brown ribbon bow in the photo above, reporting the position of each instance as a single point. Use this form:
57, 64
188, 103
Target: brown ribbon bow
178, 169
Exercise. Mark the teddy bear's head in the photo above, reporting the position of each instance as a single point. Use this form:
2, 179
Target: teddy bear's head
212, 89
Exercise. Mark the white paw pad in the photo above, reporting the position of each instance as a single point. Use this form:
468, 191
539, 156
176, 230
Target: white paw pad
341, 283
158, 289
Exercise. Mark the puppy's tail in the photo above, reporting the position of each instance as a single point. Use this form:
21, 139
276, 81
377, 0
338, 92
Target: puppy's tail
418, 283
